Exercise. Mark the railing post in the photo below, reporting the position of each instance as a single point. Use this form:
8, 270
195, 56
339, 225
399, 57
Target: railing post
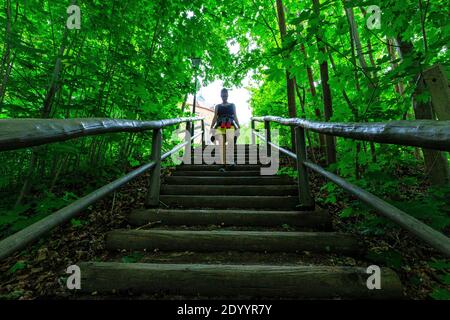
187, 148
192, 126
304, 192
253, 131
268, 137
155, 176
203, 135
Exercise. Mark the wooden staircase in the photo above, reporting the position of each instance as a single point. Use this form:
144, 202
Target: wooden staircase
234, 234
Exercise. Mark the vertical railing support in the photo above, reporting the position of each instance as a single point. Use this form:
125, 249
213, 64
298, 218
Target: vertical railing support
253, 132
154, 184
268, 138
187, 148
192, 126
304, 192
203, 135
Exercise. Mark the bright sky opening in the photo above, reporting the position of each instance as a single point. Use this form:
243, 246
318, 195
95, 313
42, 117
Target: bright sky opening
240, 96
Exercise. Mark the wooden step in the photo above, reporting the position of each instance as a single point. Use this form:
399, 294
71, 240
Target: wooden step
235, 156
210, 173
228, 190
319, 219
310, 282
236, 161
232, 202
216, 167
235, 152
243, 241
237, 146
233, 257
263, 180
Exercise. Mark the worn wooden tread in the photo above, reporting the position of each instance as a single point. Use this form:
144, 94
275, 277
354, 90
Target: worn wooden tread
230, 190
319, 219
237, 162
251, 241
237, 258
263, 180
311, 282
236, 147
232, 202
216, 167
227, 173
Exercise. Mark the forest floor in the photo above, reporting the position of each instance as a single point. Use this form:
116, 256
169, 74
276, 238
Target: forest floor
39, 271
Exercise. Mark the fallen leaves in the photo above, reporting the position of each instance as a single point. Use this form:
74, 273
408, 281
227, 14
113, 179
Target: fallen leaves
39, 271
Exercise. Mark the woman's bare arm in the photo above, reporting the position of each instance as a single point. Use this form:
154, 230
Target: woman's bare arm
235, 117
214, 120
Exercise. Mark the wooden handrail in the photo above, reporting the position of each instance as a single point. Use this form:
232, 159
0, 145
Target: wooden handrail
47, 131
22, 133
429, 134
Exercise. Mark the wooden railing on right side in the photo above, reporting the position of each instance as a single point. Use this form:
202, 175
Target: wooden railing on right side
427, 134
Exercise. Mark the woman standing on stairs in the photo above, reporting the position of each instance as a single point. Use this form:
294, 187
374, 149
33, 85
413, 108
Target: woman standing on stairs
225, 122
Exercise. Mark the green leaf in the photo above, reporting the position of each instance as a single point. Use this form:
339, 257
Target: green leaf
446, 279
440, 294
76, 223
14, 295
390, 258
19, 265
304, 15
440, 264
346, 213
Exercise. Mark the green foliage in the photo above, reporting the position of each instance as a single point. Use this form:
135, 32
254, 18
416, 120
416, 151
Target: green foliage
132, 60
330, 189
78, 223
440, 294
129, 60
442, 270
431, 207
389, 258
293, 173
440, 265
21, 216
13, 295
132, 258
19, 265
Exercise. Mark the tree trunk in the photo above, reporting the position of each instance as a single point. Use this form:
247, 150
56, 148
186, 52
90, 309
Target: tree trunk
26, 185
399, 87
301, 97
362, 61
357, 42
7, 62
290, 81
326, 90
57, 172
312, 89
436, 163
358, 169
54, 82
328, 111
354, 111
183, 106
355, 35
